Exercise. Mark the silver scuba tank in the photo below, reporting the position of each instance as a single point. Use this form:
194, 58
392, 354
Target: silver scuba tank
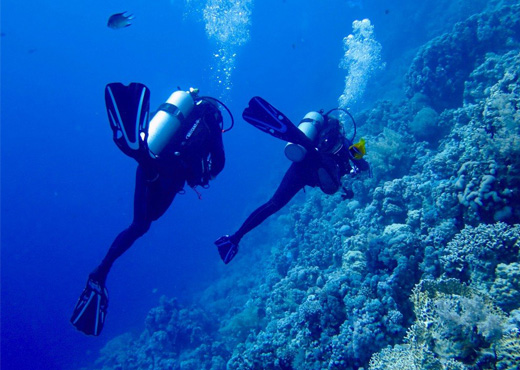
310, 125
166, 122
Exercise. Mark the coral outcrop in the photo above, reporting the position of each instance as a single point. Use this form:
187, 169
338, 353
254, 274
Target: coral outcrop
441, 68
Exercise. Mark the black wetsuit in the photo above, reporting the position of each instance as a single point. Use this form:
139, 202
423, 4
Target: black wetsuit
299, 175
158, 181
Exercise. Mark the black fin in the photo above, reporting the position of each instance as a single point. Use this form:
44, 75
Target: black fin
226, 248
267, 118
91, 310
128, 109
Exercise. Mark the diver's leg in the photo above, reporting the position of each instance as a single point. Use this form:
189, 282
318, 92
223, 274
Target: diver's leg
140, 225
164, 191
152, 197
294, 180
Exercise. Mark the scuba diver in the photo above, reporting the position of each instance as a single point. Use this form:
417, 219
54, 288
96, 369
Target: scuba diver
321, 155
181, 144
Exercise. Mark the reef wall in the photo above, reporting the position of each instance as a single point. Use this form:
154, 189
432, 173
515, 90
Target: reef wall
421, 270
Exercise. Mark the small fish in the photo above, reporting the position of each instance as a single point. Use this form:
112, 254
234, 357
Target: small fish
120, 20
358, 149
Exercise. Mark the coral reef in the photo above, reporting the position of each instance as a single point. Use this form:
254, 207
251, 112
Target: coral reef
443, 65
438, 221
474, 253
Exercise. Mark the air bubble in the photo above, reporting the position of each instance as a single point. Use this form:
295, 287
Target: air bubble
362, 59
227, 23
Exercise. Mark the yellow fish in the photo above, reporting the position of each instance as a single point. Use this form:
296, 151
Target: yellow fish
358, 149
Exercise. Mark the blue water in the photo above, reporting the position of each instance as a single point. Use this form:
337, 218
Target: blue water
66, 188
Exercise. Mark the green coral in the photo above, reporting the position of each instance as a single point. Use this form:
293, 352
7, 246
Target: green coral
399, 357
456, 327
456, 320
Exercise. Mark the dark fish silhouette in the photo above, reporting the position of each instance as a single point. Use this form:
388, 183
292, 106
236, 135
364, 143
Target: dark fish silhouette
120, 20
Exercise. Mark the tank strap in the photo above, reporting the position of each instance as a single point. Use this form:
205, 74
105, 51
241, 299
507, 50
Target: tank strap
171, 109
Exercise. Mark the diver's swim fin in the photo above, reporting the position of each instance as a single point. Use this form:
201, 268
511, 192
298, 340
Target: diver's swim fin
227, 249
267, 118
91, 310
128, 109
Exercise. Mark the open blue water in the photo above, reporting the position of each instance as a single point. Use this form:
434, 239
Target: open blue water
66, 188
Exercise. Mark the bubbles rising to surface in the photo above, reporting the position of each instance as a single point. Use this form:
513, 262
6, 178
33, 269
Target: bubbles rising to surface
227, 24
223, 69
228, 21
362, 59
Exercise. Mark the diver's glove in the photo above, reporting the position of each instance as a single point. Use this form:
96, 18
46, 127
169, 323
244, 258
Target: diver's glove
226, 248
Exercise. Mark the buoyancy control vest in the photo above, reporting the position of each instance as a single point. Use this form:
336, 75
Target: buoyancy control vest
193, 143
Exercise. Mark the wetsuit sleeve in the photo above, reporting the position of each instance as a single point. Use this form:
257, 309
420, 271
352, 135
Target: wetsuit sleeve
217, 155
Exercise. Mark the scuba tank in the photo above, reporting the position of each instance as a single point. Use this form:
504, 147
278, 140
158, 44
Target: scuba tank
168, 119
310, 125
171, 115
